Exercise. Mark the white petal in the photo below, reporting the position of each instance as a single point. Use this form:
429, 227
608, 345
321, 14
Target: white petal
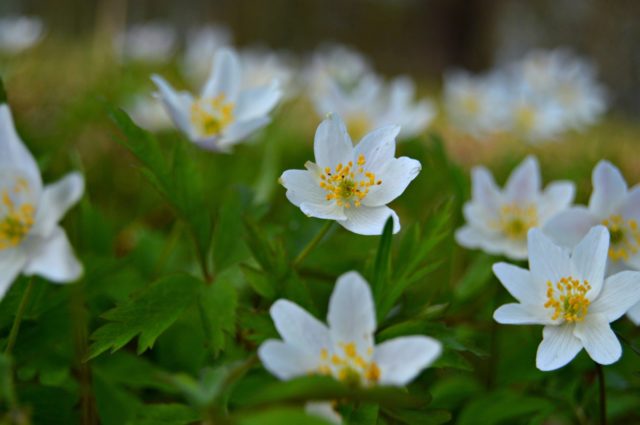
12, 262
14, 154
609, 189
631, 206
558, 347
395, 177
56, 200
598, 339
589, 259
239, 131
369, 221
524, 183
555, 198
569, 227
225, 77
401, 359
378, 147
53, 258
257, 102
519, 283
332, 144
522, 314
299, 328
285, 361
352, 315
326, 210
485, 191
619, 293
177, 104
634, 314
547, 261
324, 410
302, 186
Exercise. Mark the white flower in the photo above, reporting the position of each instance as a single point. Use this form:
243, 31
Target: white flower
337, 63
31, 241
202, 44
568, 294
498, 220
345, 349
224, 114
351, 185
149, 113
263, 66
149, 42
18, 33
613, 205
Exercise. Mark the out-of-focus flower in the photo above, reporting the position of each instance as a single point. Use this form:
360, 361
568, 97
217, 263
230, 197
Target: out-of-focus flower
263, 66
224, 114
149, 113
352, 185
568, 294
498, 220
31, 240
202, 45
149, 42
18, 33
611, 204
340, 64
345, 349
373, 104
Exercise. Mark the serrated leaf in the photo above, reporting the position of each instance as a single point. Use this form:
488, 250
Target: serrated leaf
149, 314
218, 303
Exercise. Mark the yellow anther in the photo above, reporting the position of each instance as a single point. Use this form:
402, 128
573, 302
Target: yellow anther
16, 215
515, 221
211, 116
570, 302
348, 186
625, 237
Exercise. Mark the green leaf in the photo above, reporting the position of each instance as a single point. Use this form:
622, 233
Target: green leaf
228, 239
149, 314
381, 271
165, 414
218, 303
280, 416
477, 277
420, 417
503, 407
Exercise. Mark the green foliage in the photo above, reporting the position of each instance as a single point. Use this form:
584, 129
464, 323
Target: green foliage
3, 93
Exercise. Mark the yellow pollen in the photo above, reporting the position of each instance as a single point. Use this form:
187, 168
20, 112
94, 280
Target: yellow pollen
470, 104
567, 299
211, 116
625, 237
16, 214
515, 221
525, 118
349, 366
348, 185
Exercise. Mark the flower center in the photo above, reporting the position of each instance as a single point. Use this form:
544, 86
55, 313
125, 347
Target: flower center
16, 213
211, 116
350, 367
525, 118
358, 125
625, 237
515, 221
470, 104
347, 184
568, 299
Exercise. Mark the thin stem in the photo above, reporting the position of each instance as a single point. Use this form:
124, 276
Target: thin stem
603, 394
15, 328
312, 244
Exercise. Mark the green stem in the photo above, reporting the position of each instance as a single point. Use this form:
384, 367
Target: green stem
13, 335
312, 244
603, 394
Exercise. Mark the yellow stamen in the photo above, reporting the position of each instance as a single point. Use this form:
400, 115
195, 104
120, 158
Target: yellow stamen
568, 299
348, 185
17, 214
515, 221
212, 116
625, 237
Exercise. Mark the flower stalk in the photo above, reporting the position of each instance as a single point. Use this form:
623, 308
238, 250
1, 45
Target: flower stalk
15, 328
312, 244
603, 394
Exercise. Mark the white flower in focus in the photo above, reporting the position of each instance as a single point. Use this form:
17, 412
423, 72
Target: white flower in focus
261, 67
149, 42
224, 114
201, 46
613, 205
498, 220
475, 104
31, 240
18, 33
345, 349
568, 294
351, 185
149, 113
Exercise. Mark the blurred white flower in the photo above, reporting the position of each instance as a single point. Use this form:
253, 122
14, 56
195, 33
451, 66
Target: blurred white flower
149, 113
568, 294
345, 349
148, 42
371, 104
351, 185
339, 64
224, 114
18, 33
31, 240
263, 66
201, 46
613, 205
498, 220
